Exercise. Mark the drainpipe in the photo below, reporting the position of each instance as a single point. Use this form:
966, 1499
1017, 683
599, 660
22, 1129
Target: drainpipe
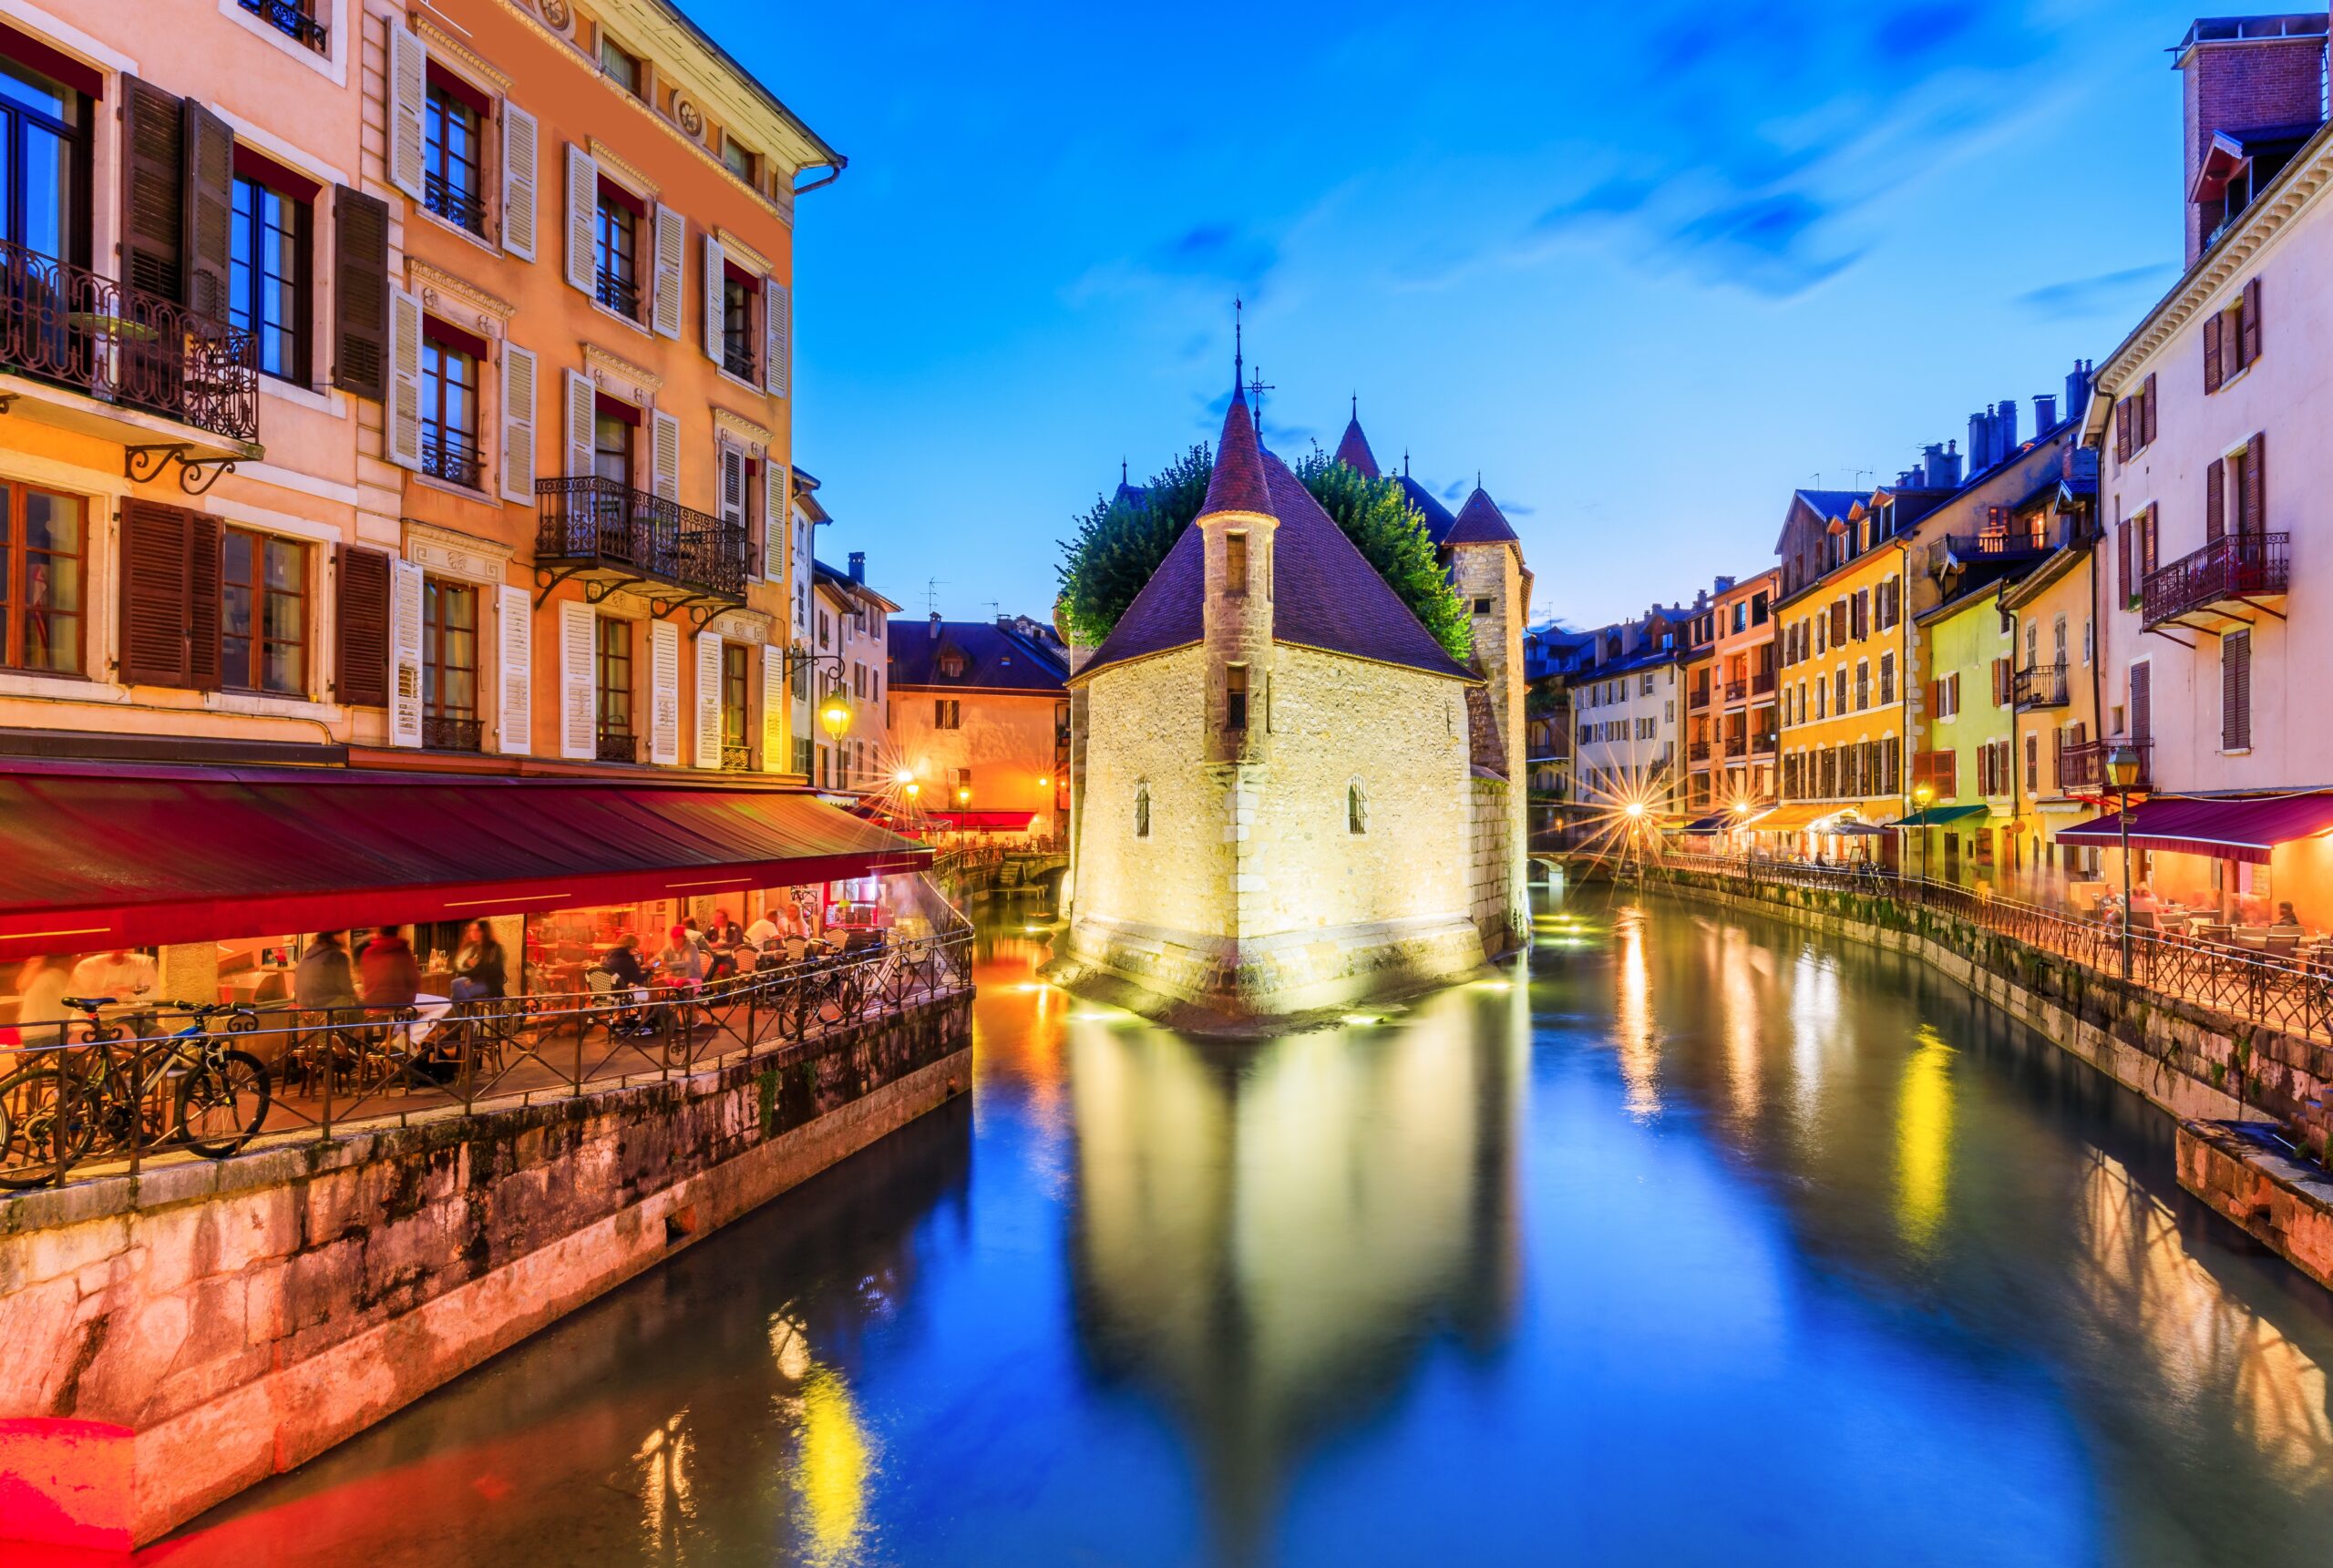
834, 172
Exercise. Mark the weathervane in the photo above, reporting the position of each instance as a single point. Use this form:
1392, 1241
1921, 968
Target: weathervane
1256, 390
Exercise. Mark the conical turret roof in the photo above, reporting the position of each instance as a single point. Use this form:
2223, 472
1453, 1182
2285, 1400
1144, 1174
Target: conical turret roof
1238, 483
1480, 522
1353, 450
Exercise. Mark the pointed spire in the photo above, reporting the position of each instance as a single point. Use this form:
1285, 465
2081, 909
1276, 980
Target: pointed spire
1354, 451
1479, 520
1238, 482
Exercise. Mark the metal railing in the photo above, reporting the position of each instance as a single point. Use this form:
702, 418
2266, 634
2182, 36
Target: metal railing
593, 521
2232, 568
736, 759
1762, 685
618, 292
457, 204
737, 358
2082, 766
1735, 690
1767, 742
450, 455
2040, 686
1697, 750
294, 18
65, 1111
1697, 696
1995, 546
65, 325
615, 746
451, 732
1737, 745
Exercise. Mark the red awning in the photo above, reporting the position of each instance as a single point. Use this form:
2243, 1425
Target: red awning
992, 820
2225, 828
92, 856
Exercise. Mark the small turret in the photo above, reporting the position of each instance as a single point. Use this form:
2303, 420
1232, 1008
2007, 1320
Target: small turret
1237, 528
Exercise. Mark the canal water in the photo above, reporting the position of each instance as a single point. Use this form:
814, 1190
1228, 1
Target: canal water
1701, 1241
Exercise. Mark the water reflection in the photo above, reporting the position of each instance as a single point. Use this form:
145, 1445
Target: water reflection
1924, 1140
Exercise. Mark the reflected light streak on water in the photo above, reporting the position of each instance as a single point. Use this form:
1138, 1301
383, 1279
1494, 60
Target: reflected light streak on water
1924, 1141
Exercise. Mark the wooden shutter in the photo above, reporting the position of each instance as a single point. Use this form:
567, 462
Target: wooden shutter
2141, 714
2255, 520
405, 87
777, 337
404, 433
405, 653
708, 698
578, 705
514, 636
2215, 500
153, 224
2236, 690
521, 172
665, 693
519, 383
164, 578
583, 401
730, 463
582, 217
2249, 350
2122, 561
775, 511
361, 628
208, 206
716, 278
772, 709
2211, 354
2122, 430
667, 432
2146, 414
671, 236
360, 306
1997, 695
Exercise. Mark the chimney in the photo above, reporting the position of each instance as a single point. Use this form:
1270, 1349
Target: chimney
2045, 412
2241, 73
1980, 436
1940, 467
1725, 585
2004, 429
935, 626
858, 566
2078, 387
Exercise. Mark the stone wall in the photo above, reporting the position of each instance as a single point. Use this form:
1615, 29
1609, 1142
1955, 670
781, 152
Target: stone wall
177, 1336
1146, 728
1491, 860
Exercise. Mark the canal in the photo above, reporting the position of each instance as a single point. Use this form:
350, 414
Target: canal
1707, 1242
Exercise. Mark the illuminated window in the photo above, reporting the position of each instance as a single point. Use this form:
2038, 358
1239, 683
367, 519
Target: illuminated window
1234, 563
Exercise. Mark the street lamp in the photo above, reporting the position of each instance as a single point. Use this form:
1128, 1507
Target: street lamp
833, 715
1921, 795
2123, 768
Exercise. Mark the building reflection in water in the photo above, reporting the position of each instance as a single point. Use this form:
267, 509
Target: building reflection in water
1267, 1237
1633, 1025
1924, 1141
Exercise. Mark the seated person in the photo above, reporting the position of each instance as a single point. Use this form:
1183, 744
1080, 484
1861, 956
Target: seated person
682, 963
2287, 924
763, 932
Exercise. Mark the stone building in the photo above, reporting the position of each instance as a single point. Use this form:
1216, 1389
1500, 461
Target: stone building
1290, 794
981, 721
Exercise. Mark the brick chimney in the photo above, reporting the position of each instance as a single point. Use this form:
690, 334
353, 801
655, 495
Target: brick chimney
2244, 73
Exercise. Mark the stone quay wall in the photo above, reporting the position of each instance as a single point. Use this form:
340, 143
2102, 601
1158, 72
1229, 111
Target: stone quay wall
174, 1336
1494, 866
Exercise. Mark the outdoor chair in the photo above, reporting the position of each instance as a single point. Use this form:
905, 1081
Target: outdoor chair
624, 1016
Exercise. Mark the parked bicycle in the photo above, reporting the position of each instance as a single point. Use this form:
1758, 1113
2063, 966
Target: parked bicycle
825, 993
110, 1093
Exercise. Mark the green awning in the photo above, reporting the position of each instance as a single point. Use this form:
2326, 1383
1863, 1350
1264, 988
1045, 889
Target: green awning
1939, 815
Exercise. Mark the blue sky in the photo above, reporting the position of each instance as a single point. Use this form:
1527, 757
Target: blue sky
1647, 267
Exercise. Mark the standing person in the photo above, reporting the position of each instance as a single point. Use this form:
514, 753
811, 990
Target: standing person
324, 979
42, 986
478, 970
392, 975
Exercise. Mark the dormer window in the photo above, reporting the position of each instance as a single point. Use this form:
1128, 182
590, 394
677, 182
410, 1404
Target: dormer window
623, 66
951, 665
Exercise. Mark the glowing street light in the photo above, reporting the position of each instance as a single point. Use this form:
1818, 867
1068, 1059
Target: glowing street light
2125, 768
833, 715
1921, 795
903, 778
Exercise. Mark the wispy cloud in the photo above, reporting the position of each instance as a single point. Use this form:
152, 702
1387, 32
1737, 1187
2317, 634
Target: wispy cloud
2106, 294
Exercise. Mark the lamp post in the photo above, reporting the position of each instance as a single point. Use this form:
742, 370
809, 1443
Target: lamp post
2123, 767
1921, 795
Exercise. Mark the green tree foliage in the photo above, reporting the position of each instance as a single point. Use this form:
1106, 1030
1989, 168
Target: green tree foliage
1120, 543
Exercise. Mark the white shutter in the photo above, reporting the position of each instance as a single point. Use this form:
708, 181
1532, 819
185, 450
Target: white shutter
672, 249
708, 698
405, 379
668, 455
518, 423
514, 634
583, 406
578, 710
405, 653
583, 218
772, 709
777, 336
665, 693
521, 171
716, 278
774, 510
408, 74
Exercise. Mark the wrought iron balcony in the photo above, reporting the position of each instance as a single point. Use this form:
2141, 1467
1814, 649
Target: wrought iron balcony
67, 326
1762, 685
1997, 547
448, 455
736, 759
2221, 581
2081, 768
2041, 686
1697, 696
464, 209
292, 18
619, 293
618, 534
737, 358
1697, 750
1737, 745
1766, 743
445, 733
617, 746
1735, 690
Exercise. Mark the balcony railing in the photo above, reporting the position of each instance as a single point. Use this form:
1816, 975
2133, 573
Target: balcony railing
594, 523
1736, 690
736, 759
446, 733
64, 325
737, 358
619, 293
1737, 745
292, 17
1762, 685
617, 746
2041, 686
449, 456
2082, 767
1697, 697
1697, 750
1995, 545
464, 209
1766, 744
2228, 571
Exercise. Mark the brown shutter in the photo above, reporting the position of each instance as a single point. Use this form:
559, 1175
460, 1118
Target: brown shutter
2250, 348
361, 295
2123, 560
155, 594
153, 224
361, 647
2121, 430
205, 567
208, 208
2255, 520
2146, 411
2236, 690
2211, 354
2141, 714
2215, 500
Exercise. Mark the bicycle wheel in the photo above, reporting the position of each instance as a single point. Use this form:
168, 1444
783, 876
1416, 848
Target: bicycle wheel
221, 1102
47, 1122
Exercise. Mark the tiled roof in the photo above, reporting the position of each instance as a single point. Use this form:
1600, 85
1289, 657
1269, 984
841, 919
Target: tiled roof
1438, 520
1353, 450
847, 584
1480, 522
996, 658
1238, 483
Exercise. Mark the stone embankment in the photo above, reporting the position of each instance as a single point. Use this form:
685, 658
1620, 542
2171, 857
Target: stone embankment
173, 1337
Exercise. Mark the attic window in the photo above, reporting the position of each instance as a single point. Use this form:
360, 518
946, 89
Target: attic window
1482, 607
951, 665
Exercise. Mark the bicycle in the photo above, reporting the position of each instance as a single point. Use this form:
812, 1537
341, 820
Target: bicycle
824, 995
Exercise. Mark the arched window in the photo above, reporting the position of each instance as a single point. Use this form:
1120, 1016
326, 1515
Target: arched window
1141, 810
1356, 808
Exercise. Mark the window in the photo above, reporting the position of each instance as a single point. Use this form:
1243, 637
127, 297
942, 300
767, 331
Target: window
947, 713
1886, 678
44, 163
742, 160
1482, 607
449, 406
1839, 694
1644, 688
737, 334
2236, 690
611, 673
1235, 697
451, 165
268, 278
263, 619
611, 446
623, 66
1863, 684
736, 660
294, 18
616, 240
42, 537
1356, 808
1235, 561
1141, 810
449, 665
